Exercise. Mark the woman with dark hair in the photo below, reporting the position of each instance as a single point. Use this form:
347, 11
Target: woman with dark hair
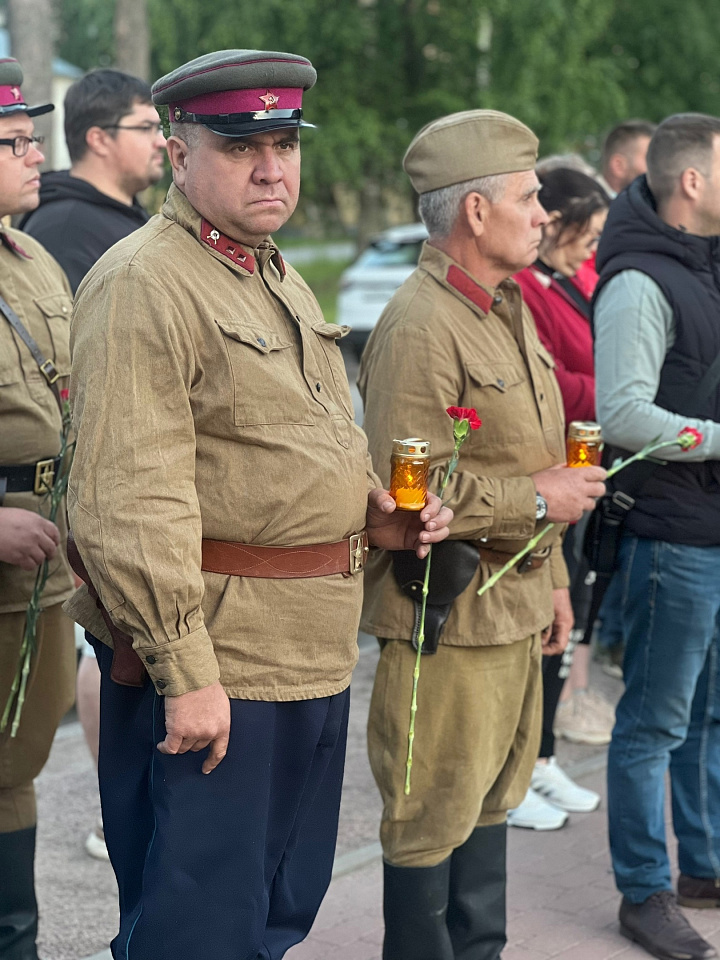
577, 206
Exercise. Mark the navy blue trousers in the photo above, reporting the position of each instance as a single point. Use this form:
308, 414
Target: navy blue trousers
232, 865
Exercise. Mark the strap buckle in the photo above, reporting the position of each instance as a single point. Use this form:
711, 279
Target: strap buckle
44, 476
49, 371
358, 549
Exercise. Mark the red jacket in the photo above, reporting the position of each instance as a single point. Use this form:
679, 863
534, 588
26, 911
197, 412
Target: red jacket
566, 333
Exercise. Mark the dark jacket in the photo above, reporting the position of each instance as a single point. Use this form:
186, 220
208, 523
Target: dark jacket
680, 503
77, 223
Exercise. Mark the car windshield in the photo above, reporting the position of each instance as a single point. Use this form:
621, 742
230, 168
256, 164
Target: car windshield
386, 253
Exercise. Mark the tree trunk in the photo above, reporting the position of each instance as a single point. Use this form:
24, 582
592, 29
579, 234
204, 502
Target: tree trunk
132, 38
371, 218
35, 48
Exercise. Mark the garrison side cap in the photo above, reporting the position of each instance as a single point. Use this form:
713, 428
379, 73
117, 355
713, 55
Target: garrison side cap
11, 98
466, 145
237, 93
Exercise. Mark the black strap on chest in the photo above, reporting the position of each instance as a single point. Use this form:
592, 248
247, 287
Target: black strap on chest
47, 367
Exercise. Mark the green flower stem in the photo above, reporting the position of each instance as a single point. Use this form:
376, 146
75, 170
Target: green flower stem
28, 648
421, 630
616, 468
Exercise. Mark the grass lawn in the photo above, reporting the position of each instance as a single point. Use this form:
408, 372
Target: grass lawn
323, 278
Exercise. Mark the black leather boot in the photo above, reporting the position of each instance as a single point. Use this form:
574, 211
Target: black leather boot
414, 903
18, 906
476, 907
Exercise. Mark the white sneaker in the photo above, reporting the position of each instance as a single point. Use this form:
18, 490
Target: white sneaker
552, 783
95, 843
535, 813
584, 718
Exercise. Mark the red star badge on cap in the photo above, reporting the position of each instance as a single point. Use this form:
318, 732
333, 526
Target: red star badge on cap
15, 91
270, 101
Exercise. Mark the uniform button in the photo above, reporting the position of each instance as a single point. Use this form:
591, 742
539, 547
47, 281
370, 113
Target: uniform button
542, 396
501, 383
150, 659
64, 309
497, 298
261, 342
160, 684
318, 387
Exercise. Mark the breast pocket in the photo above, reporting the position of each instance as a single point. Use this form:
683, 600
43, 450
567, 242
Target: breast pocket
503, 398
329, 335
268, 384
56, 309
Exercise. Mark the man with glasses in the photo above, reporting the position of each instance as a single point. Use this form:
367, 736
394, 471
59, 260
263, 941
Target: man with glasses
35, 302
116, 148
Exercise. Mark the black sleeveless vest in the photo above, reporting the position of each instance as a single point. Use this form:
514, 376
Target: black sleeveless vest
680, 503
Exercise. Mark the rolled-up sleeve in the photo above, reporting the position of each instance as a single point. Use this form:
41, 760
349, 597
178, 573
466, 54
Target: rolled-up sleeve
133, 504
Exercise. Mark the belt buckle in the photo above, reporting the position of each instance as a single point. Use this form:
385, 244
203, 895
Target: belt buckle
357, 552
44, 476
49, 371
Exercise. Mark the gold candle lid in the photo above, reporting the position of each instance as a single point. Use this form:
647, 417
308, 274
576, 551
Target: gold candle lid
585, 430
412, 447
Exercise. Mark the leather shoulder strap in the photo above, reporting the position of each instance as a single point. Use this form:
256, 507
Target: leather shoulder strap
47, 367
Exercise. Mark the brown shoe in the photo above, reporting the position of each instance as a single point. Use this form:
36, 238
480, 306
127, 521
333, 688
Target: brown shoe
698, 892
660, 926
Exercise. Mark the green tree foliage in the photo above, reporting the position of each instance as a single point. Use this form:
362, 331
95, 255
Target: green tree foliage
568, 68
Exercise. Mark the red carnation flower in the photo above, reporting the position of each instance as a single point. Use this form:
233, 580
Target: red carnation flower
465, 413
65, 394
689, 438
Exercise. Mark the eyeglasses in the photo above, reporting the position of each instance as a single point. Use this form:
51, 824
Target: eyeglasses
153, 128
21, 145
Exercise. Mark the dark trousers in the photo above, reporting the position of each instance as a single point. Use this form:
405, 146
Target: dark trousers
555, 669
232, 865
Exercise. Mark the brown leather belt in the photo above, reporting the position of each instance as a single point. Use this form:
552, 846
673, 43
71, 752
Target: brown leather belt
531, 562
285, 563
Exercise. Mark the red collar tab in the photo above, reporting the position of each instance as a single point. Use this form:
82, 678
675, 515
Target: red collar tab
227, 247
468, 288
8, 242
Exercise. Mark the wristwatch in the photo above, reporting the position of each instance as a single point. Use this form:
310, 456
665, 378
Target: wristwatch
541, 507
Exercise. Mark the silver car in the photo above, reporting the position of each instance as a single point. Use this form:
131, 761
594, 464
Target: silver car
367, 285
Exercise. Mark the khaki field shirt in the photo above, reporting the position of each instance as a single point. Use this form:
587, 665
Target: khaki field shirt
36, 288
447, 340
210, 400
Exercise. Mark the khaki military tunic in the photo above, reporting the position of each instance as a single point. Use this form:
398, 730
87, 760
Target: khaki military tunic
210, 400
36, 288
446, 340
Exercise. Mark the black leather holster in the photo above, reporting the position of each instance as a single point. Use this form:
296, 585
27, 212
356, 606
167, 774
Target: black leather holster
453, 566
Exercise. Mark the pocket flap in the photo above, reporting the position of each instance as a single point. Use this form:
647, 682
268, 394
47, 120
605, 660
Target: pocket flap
545, 355
55, 305
498, 375
252, 335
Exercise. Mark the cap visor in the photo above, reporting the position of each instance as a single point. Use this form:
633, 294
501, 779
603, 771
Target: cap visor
41, 108
257, 126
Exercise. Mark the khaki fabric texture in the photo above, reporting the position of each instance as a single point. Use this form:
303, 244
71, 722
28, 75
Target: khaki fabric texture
39, 293
210, 400
432, 348
477, 734
466, 145
50, 694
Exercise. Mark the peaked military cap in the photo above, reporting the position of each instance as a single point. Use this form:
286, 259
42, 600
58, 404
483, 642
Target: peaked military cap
11, 98
466, 145
238, 92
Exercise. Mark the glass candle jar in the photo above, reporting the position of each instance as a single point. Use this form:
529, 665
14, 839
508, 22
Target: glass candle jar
584, 444
409, 467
